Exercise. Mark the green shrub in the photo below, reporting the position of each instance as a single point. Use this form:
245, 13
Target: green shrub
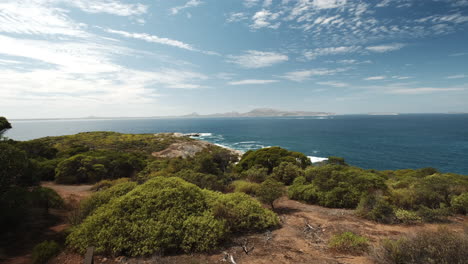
90, 204
202, 180
302, 191
375, 208
286, 172
245, 187
168, 214
433, 215
441, 246
460, 203
46, 198
255, 174
270, 158
105, 184
348, 242
44, 251
336, 161
407, 217
269, 191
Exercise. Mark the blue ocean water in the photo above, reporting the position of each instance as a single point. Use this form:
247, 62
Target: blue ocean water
377, 142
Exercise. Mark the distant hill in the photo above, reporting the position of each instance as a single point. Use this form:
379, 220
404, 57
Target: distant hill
259, 112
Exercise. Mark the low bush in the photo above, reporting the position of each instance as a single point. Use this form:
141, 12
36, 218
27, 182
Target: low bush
44, 251
203, 180
441, 246
269, 191
460, 203
376, 208
270, 158
245, 187
255, 174
407, 217
286, 172
105, 184
348, 242
433, 215
167, 214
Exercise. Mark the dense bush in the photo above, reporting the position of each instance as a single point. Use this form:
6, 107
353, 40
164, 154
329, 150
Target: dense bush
44, 251
460, 203
15, 167
348, 242
255, 174
245, 187
270, 158
168, 214
336, 186
376, 208
269, 191
104, 184
407, 217
286, 172
91, 167
203, 180
441, 246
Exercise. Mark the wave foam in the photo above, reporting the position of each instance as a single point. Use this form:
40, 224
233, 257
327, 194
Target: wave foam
316, 159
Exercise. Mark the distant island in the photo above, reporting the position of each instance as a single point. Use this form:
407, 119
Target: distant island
263, 112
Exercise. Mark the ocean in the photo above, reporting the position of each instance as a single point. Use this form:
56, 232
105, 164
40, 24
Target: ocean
368, 141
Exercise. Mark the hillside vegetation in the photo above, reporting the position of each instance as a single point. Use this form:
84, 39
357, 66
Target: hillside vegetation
146, 203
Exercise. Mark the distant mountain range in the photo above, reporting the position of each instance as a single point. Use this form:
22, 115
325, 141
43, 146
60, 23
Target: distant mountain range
265, 112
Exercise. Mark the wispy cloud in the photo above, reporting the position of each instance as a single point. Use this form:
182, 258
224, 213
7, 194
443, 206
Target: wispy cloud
312, 54
265, 19
334, 84
423, 90
251, 81
375, 78
458, 54
257, 59
299, 76
191, 3
236, 17
458, 76
385, 48
109, 6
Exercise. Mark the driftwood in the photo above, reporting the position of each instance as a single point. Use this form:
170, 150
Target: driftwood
228, 257
313, 233
246, 248
89, 256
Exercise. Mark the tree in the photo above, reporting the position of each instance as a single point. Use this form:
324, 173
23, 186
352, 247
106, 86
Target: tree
270, 158
269, 191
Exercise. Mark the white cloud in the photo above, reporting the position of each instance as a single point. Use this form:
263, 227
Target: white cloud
375, 78
458, 54
257, 59
108, 6
423, 90
267, 3
236, 17
312, 54
326, 4
265, 18
385, 48
250, 81
299, 76
190, 3
401, 77
458, 76
250, 3
334, 84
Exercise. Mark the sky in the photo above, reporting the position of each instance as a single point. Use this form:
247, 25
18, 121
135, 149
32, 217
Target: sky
135, 58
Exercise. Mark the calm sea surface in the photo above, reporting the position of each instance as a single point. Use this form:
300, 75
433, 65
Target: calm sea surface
378, 142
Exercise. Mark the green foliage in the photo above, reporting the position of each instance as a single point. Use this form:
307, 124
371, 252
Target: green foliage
407, 217
460, 203
336, 186
250, 188
376, 208
105, 184
94, 166
441, 246
286, 172
4, 125
270, 158
15, 167
269, 191
44, 251
348, 242
168, 214
202, 180
116, 189
433, 214
46, 198
255, 174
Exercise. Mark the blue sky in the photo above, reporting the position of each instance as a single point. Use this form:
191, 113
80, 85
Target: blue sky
76, 58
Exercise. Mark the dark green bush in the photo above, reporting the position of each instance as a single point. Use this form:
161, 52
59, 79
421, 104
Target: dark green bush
247, 187
168, 214
433, 215
269, 191
376, 208
460, 203
44, 251
286, 172
336, 161
441, 246
270, 158
348, 242
255, 174
203, 180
